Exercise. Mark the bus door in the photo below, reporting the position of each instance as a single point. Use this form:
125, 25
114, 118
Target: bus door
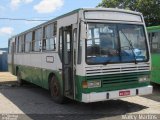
12, 57
68, 61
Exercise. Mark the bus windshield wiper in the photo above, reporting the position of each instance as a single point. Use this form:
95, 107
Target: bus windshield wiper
131, 46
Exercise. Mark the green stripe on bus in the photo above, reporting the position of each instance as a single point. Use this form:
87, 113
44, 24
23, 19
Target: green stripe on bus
37, 76
155, 73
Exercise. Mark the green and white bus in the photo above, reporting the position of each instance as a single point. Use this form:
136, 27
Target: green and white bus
87, 55
154, 39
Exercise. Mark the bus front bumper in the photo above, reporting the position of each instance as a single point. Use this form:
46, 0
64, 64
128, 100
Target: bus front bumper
102, 96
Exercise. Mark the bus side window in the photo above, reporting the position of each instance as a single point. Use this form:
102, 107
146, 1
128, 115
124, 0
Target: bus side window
155, 42
37, 40
9, 48
44, 38
28, 39
60, 43
11, 45
55, 35
49, 37
33, 41
19, 44
23, 43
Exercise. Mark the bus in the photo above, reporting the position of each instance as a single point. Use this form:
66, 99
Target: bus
154, 40
88, 55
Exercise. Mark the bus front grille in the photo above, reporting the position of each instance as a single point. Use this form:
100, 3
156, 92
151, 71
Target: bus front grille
117, 78
91, 71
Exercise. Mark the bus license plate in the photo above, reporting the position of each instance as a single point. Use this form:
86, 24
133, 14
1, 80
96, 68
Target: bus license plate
124, 93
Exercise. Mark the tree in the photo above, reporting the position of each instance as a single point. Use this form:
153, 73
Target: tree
149, 8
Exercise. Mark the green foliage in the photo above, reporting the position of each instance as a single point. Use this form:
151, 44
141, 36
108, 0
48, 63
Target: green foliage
149, 8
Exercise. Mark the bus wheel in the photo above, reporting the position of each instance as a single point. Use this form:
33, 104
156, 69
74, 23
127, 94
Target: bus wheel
19, 78
55, 91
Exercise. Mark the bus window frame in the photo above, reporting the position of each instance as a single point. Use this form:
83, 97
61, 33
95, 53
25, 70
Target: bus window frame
145, 35
151, 35
53, 36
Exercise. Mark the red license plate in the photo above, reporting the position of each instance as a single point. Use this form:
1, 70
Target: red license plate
124, 93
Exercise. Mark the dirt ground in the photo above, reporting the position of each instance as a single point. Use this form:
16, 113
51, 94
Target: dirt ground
31, 102
6, 77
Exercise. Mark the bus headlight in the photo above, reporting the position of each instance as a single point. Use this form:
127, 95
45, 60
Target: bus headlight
144, 78
91, 84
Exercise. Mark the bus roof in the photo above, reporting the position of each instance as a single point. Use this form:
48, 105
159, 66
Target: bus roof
153, 28
76, 11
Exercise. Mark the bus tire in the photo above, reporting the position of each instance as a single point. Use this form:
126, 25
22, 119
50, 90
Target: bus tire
19, 78
55, 90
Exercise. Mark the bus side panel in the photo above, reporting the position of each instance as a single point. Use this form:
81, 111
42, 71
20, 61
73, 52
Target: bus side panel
50, 65
31, 74
38, 76
36, 68
155, 73
45, 76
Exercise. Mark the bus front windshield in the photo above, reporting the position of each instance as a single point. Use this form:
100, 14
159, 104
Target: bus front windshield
115, 43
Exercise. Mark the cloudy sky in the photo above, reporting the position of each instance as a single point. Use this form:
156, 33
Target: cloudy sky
33, 9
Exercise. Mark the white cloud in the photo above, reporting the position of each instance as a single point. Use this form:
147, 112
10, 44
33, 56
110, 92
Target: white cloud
48, 6
15, 3
6, 31
27, 1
